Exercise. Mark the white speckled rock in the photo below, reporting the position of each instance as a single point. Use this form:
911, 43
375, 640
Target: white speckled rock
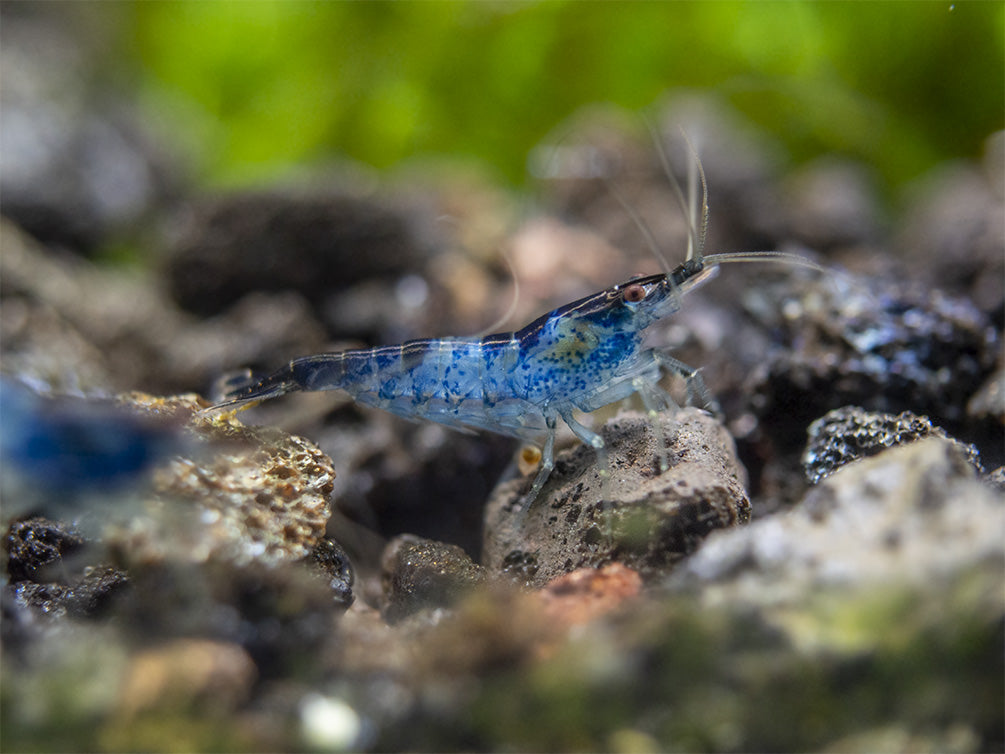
908, 515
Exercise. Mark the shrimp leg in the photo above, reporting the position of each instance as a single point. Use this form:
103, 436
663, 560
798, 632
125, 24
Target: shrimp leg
547, 462
655, 399
697, 393
595, 441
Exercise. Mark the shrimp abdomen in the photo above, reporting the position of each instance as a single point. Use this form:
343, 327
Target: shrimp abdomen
459, 382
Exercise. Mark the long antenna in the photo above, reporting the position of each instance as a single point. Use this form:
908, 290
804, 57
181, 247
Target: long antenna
695, 166
766, 256
696, 237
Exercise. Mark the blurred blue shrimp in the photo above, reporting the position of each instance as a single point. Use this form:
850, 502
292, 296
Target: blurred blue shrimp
77, 458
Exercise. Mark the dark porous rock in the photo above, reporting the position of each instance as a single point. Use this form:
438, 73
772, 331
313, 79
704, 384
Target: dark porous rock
883, 346
654, 518
35, 545
50, 570
329, 557
420, 573
90, 595
315, 244
847, 434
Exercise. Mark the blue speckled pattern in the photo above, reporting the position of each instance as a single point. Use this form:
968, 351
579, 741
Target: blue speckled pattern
509, 383
583, 355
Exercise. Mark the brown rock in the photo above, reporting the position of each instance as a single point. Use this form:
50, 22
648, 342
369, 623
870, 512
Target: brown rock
653, 519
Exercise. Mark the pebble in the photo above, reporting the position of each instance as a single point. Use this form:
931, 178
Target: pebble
421, 573
656, 518
246, 494
847, 434
908, 515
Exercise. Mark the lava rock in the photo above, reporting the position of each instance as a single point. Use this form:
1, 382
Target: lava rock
420, 573
885, 347
847, 434
331, 559
654, 519
49, 569
91, 595
35, 544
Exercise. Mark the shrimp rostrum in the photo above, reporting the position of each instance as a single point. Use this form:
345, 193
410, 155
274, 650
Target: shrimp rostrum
581, 356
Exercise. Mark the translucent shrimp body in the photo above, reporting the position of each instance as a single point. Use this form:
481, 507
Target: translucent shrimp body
583, 355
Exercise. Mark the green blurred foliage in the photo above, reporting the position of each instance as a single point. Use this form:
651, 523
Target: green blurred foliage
252, 88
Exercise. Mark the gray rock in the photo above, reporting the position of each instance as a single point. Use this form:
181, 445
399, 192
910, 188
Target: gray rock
653, 518
906, 516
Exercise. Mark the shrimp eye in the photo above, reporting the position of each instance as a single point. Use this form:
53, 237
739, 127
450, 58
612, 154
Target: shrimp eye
634, 293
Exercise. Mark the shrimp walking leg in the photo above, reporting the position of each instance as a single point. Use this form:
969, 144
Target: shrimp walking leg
547, 463
595, 441
655, 399
697, 393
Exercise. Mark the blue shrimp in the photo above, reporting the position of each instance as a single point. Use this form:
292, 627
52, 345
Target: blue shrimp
581, 356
